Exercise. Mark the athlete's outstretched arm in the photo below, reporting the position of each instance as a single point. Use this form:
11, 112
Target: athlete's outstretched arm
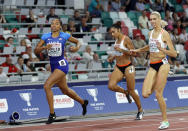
143, 49
40, 47
78, 44
130, 46
171, 52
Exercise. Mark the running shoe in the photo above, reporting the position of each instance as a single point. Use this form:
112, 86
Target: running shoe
128, 97
164, 125
84, 106
139, 115
51, 118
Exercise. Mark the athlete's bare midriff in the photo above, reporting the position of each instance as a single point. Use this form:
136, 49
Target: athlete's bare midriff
122, 60
156, 56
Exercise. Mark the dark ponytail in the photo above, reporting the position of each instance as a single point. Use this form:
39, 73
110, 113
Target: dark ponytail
117, 25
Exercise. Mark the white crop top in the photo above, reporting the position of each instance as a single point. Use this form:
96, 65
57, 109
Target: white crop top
121, 46
152, 42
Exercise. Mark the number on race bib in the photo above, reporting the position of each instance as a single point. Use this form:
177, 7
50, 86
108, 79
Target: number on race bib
131, 70
165, 61
55, 50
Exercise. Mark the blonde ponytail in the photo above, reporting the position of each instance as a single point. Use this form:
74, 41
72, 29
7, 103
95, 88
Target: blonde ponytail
163, 23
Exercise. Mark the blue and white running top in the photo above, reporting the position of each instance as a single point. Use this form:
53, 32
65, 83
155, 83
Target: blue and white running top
56, 52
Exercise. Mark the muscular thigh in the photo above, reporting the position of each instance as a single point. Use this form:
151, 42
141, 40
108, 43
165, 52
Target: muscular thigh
116, 76
55, 77
162, 77
130, 77
149, 80
62, 84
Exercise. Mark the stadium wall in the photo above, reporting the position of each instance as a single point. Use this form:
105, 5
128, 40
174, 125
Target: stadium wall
31, 102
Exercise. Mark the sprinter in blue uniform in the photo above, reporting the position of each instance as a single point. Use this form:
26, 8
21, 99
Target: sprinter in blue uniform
54, 43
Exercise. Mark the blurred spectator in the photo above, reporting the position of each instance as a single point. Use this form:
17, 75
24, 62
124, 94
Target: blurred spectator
29, 54
83, 27
167, 6
109, 62
157, 6
143, 21
65, 28
184, 20
178, 68
139, 43
130, 5
12, 67
76, 16
2, 19
25, 42
2, 73
179, 26
95, 8
175, 37
48, 67
178, 46
51, 14
72, 27
90, 56
186, 49
72, 55
115, 5
29, 65
185, 2
31, 18
140, 5
10, 43
21, 66
168, 18
183, 36
88, 17
108, 36
175, 17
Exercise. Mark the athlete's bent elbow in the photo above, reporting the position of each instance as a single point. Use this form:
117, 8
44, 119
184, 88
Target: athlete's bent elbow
36, 51
175, 54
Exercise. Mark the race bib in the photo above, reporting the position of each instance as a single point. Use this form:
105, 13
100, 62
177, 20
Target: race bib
165, 61
62, 63
117, 53
153, 47
55, 50
131, 70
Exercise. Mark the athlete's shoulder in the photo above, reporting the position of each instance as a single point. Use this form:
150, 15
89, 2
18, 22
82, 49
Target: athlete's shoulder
46, 35
65, 35
165, 32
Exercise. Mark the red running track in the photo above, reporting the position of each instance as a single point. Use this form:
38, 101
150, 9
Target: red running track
178, 122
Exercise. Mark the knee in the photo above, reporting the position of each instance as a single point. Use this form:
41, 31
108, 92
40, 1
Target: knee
158, 94
131, 91
111, 86
65, 91
46, 87
145, 95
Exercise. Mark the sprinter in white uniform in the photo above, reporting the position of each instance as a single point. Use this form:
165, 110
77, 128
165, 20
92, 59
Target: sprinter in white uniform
124, 68
157, 74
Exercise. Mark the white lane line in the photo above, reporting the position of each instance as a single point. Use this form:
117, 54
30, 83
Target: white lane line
112, 129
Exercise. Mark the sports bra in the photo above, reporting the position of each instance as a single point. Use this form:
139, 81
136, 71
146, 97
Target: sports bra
152, 42
121, 46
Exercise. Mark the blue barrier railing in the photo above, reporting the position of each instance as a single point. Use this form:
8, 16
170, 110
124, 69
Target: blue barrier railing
31, 103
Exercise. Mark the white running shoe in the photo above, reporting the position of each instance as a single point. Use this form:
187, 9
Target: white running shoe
139, 115
164, 125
